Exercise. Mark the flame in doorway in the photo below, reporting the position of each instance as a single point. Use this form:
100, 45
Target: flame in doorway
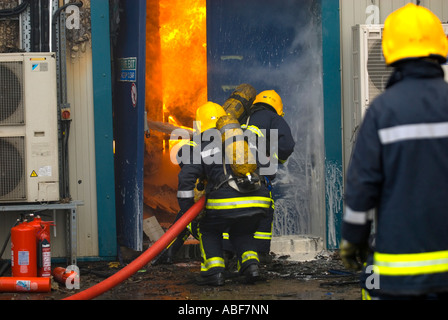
176, 84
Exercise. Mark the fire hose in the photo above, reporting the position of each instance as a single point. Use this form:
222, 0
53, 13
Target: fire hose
144, 258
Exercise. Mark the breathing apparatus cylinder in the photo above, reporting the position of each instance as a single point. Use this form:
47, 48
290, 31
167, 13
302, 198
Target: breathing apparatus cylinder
242, 161
237, 151
240, 101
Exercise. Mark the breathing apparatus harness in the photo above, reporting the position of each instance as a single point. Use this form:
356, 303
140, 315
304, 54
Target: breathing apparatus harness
252, 181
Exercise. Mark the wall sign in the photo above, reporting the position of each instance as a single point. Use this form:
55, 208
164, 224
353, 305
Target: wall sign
128, 69
134, 95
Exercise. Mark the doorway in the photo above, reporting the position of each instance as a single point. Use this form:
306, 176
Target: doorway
200, 50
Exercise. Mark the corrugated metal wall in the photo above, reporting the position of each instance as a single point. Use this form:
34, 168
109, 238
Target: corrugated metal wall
355, 12
82, 167
82, 150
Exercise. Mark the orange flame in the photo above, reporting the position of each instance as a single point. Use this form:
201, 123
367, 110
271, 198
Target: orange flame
176, 84
184, 57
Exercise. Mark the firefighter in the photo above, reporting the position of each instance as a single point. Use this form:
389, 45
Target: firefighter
396, 183
267, 114
226, 208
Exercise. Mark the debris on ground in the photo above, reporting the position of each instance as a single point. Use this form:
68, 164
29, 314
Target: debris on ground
323, 278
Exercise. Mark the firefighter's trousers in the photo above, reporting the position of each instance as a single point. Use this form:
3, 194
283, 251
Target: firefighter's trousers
241, 235
262, 236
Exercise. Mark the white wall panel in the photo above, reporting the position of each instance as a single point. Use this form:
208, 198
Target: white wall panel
82, 150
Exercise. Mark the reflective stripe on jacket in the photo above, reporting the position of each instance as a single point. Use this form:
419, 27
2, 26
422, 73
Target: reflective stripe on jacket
411, 264
238, 203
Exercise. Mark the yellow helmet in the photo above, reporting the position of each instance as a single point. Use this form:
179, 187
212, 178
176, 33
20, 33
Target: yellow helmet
413, 32
271, 98
207, 115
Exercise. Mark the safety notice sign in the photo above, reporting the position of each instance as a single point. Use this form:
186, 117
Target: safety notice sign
134, 95
128, 69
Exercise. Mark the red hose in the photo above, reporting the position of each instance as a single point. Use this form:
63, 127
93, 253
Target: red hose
144, 258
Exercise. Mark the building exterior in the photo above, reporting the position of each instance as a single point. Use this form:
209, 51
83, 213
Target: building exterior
92, 89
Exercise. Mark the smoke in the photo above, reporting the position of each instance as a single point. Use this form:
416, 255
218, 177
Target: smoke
298, 188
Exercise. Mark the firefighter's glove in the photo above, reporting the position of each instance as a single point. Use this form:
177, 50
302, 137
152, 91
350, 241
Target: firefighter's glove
353, 255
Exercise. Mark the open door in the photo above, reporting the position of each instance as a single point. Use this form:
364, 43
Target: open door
129, 119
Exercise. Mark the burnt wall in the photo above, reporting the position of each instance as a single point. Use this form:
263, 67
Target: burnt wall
9, 29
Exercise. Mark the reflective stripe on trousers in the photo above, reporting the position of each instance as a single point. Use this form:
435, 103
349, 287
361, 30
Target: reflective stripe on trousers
209, 263
257, 235
263, 235
246, 257
214, 262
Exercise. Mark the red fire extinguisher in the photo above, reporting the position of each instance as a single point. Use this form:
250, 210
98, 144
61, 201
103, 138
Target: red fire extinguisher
25, 284
61, 275
44, 250
23, 250
31, 249
43, 243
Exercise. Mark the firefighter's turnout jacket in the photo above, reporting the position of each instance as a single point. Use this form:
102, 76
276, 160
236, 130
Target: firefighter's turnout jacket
400, 168
261, 121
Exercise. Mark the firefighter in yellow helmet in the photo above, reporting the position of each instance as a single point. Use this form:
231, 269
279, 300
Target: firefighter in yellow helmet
266, 114
207, 116
414, 32
226, 208
272, 99
399, 167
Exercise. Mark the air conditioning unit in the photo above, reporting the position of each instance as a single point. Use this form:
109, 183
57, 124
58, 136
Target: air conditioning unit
29, 157
370, 73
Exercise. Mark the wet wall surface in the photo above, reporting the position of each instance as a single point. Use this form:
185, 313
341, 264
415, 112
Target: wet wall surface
276, 45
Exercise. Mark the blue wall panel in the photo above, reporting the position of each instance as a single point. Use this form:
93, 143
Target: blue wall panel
129, 111
332, 121
103, 128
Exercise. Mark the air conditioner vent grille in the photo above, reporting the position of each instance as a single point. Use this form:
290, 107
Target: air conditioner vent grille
12, 168
378, 72
11, 93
